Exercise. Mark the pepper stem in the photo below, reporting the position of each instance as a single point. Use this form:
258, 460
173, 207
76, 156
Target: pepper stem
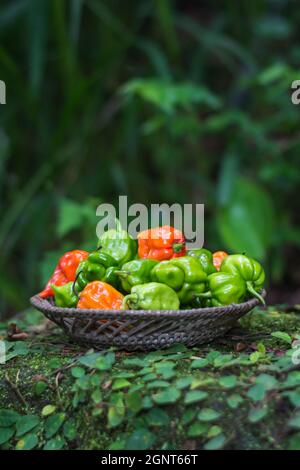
130, 300
122, 273
205, 295
252, 291
73, 286
177, 247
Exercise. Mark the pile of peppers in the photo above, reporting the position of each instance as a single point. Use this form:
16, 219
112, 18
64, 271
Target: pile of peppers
154, 272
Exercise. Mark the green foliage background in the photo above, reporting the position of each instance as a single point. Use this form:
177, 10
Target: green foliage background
163, 101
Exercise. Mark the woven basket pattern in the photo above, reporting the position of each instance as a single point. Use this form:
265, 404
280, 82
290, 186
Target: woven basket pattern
144, 329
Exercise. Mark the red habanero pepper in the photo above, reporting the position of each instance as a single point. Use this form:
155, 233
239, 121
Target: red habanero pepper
65, 271
161, 243
218, 257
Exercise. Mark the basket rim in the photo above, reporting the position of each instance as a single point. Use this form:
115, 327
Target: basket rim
45, 306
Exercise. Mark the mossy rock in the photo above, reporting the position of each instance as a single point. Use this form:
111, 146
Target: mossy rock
240, 392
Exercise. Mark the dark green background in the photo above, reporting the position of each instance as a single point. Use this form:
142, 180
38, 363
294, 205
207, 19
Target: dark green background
163, 101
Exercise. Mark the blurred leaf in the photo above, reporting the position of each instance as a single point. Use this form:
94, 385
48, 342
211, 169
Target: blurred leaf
227, 177
165, 17
6, 434
246, 224
257, 414
218, 44
234, 401
195, 396
28, 442
157, 418
70, 429
272, 73
134, 401
228, 381
167, 396
256, 392
215, 443
283, 336
48, 410
294, 397
76, 13
157, 58
53, 424
118, 384
197, 429
294, 422
208, 414
140, 439
294, 442
168, 96
116, 410
54, 444
11, 12
273, 27
26, 423
70, 216
38, 13
8, 417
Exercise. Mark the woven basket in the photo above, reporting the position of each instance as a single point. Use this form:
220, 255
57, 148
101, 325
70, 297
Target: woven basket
144, 329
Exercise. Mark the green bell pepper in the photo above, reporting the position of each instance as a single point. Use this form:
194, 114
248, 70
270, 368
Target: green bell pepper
250, 270
118, 244
205, 258
224, 289
64, 295
151, 296
184, 275
96, 267
136, 272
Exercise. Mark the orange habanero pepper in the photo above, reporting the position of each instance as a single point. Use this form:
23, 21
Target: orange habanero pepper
161, 243
218, 257
100, 295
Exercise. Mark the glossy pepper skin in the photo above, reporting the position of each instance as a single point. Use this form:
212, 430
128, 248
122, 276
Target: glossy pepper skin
205, 257
184, 275
64, 295
100, 295
161, 243
118, 244
224, 289
136, 272
65, 271
250, 270
151, 296
218, 257
112, 278
95, 267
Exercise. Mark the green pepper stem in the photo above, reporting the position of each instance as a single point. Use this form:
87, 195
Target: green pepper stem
129, 300
252, 291
73, 286
206, 295
177, 247
122, 273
